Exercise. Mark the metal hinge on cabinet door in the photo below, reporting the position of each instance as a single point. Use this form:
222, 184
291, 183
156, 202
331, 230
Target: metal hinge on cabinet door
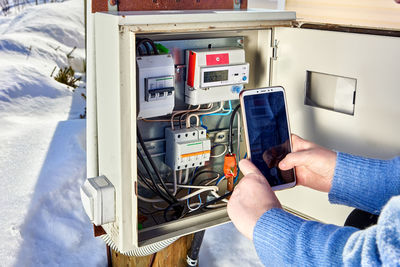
274, 46
112, 5
236, 4
273, 51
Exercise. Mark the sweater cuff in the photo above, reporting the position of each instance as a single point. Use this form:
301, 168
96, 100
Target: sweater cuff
356, 183
273, 230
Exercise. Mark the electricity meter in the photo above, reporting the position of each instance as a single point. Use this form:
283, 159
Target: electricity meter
215, 75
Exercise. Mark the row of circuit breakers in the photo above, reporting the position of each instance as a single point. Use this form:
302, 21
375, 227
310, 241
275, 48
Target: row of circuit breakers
212, 75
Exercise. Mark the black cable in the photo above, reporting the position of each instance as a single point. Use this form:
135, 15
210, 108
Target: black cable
150, 42
215, 200
230, 146
178, 211
160, 192
153, 45
139, 49
144, 180
202, 172
169, 195
148, 47
178, 207
193, 254
153, 165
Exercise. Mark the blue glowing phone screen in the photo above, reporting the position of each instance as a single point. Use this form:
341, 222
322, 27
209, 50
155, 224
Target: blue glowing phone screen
268, 132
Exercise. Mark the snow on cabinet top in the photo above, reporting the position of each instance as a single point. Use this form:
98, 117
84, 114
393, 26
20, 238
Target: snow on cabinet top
196, 16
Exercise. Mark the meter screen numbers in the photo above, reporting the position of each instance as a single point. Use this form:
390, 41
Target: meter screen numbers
215, 76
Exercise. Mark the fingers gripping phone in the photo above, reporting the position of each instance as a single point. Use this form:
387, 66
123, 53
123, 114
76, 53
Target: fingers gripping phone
267, 133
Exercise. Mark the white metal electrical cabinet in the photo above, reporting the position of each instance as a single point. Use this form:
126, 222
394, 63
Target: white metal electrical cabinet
358, 113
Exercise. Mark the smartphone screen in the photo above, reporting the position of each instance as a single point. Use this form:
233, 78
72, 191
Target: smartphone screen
268, 134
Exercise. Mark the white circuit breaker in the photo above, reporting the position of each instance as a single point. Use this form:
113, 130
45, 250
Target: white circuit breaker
187, 148
156, 85
215, 75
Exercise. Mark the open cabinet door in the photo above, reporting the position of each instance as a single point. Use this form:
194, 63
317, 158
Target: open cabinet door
343, 92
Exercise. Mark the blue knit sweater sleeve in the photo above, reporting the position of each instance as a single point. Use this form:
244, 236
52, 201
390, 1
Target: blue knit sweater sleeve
363, 183
282, 239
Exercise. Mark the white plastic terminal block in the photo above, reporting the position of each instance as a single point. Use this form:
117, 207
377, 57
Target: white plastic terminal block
215, 75
98, 198
156, 85
187, 148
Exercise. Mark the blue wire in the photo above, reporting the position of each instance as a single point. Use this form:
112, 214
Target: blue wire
237, 175
217, 114
201, 123
238, 171
219, 180
218, 144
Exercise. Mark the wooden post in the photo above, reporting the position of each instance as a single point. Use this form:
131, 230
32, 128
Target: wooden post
173, 255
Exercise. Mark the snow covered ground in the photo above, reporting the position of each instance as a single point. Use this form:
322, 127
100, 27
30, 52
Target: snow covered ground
42, 149
42, 141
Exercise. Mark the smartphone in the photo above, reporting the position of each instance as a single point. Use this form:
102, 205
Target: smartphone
267, 133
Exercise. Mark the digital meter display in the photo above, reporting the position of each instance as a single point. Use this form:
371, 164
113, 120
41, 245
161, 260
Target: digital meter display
215, 76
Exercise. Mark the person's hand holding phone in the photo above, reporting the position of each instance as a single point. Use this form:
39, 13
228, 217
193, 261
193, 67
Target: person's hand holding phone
314, 165
251, 198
